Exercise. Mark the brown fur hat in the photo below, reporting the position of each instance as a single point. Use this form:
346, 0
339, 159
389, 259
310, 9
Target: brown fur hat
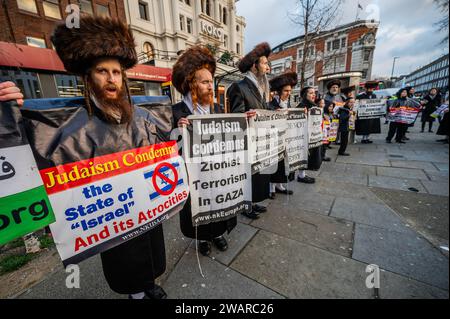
334, 82
192, 60
262, 49
278, 83
97, 37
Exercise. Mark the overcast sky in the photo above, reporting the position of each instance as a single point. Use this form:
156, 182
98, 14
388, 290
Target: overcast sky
406, 29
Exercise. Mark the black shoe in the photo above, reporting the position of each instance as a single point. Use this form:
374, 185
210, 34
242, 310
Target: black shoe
405, 139
285, 191
272, 196
259, 209
306, 180
430, 131
251, 215
343, 154
443, 140
220, 243
205, 248
369, 142
326, 159
156, 293
401, 142
388, 141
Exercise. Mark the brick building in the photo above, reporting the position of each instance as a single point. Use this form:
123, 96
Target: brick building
27, 56
344, 53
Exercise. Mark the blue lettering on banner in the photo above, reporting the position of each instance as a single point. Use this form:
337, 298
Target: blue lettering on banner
164, 185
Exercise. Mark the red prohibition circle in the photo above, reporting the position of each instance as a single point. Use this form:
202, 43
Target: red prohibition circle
173, 183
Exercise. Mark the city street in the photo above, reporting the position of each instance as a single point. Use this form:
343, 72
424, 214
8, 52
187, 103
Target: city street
363, 209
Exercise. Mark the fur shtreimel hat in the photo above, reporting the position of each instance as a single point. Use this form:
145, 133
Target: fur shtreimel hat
371, 84
97, 37
278, 83
334, 82
192, 60
347, 90
262, 49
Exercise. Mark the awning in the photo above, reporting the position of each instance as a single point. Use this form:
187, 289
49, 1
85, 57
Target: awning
27, 57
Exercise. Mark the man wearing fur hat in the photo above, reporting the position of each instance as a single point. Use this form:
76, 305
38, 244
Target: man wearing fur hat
250, 94
283, 86
369, 126
193, 76
100, 51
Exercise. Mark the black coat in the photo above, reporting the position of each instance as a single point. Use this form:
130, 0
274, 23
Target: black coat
344, 118
315, 154
55, 136
243, 97
431, 107
367, 126
204, 232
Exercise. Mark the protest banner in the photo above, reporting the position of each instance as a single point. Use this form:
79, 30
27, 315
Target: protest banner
104, 201
296, 141
326, 131
351, 122
24, 204
439, 113
267, 134
334, 127
370, 109
216, 156
403, 111
315, 127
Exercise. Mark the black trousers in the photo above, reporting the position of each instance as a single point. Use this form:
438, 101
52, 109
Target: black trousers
430, 125
397, 129
344, 142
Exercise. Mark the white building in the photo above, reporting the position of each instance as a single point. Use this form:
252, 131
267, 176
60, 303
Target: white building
163, 28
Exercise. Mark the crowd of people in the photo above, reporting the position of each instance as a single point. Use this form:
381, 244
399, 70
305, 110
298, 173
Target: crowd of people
103, 49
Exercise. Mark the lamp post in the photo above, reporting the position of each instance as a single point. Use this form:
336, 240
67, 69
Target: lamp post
393, 66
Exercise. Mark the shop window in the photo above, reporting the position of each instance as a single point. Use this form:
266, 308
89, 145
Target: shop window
27, 5
51, 9
36, 42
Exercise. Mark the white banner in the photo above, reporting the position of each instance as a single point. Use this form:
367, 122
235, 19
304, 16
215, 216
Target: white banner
370, 109
315, 131
296, 140
216, 155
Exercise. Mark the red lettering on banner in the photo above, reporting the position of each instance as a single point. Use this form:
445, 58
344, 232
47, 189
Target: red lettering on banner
63, 177
92, 239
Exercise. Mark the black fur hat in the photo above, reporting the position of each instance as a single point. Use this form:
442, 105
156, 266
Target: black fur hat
277, 84
262, 49
347, 90
97, 37
192, 60
371, 84
334, 82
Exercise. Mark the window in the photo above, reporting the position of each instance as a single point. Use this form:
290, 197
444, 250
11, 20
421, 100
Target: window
206, 7
102, 10
148, 50
189, 25
27, 5
224, 16
328, 46
238, 48
182, 22
366, 56
188, 2
336, 44
143, 10
300, 54
51, 9
238, 28
36, 42
225, 41
86, 6
343, 42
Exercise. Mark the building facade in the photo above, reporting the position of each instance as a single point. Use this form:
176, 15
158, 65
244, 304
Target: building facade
344, 53
432, 75
164, 28
27, 56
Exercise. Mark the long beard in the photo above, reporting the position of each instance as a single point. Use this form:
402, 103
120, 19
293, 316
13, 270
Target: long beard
113, 109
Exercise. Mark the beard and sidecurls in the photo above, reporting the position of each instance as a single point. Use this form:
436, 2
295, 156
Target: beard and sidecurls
112, 108
199, 98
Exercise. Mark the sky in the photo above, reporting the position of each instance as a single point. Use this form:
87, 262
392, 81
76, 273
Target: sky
406, 29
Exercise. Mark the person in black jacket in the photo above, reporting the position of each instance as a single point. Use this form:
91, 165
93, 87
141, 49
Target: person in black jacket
193, 78
366, 127
398, 129
283, 85
344, 114
431, 103
253, 93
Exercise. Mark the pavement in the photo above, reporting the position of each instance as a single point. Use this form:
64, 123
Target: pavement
386, 204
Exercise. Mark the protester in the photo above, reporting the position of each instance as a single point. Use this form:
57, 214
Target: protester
283, 85
444, 119
308, 96
99, 52
398, 129
349, 92
343, 114
334, 96
431, 102
192, 76
328, 114
253, 92
366, 127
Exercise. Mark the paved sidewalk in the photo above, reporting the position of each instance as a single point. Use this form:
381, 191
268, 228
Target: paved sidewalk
363, 210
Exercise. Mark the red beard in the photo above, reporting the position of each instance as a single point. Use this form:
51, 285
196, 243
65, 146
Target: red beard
112, 108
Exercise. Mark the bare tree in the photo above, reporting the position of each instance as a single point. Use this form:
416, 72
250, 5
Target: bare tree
313, 16
442, 25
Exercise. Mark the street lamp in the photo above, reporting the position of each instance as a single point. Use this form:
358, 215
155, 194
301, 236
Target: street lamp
393, 66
